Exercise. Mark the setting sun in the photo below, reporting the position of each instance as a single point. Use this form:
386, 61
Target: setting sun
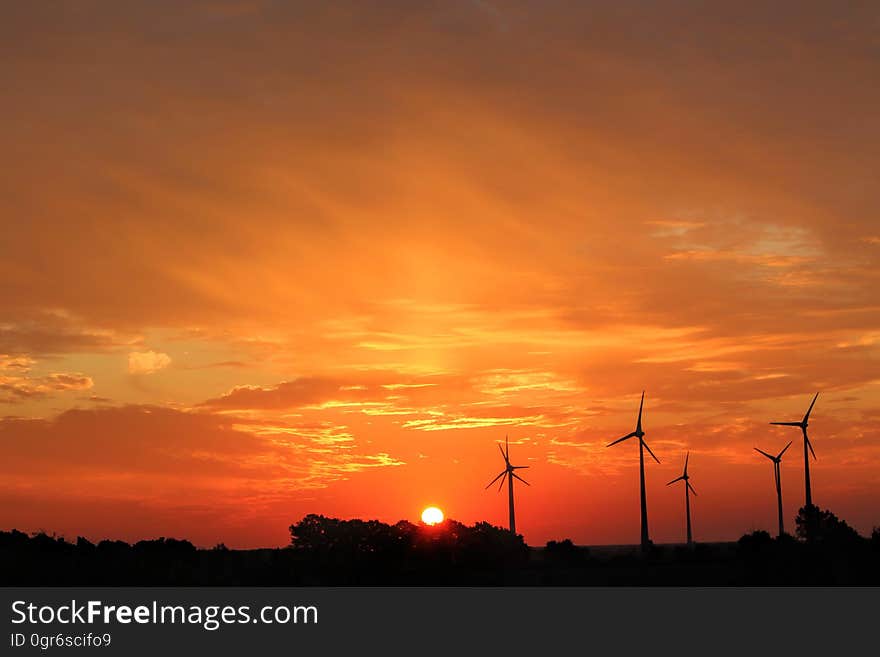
432, 516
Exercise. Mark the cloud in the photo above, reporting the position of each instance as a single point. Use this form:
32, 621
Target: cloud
52, 332
18, 383
288, 394
622, 122
21, 363
227, 363
356, 388
147, 362
15, 389
186, 451
67, 381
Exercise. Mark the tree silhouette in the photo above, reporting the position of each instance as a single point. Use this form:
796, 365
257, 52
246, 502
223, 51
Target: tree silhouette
822, 526
371, 551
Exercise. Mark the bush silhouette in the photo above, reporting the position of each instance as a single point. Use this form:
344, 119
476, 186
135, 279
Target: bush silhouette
757, 542
565, 552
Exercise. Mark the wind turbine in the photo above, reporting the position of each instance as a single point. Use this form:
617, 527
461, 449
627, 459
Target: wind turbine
776, 473
688, 489
638, 433
509, 474
807, 445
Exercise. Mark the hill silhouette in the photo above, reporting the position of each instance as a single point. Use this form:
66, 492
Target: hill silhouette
330, 551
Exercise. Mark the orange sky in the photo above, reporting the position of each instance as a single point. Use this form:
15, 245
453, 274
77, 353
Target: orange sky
262, 259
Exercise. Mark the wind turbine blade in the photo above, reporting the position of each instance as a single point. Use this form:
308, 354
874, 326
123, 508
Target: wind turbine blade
686, 458
788, 424
641, 404
649, 451
513, 474
519, 467
784, 450
692, 488
620, 440
769, 456
496, 479
501, 485
674, 480
810, 445
506, 449
503, 455
809, 410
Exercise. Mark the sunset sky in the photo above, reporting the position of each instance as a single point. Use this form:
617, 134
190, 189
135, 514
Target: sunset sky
262, 259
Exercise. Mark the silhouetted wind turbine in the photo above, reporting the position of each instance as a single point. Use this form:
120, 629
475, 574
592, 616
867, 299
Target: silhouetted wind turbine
688, 489
807, 445
509, 474
776, 460
638, 433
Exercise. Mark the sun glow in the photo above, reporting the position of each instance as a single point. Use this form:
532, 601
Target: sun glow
432, 516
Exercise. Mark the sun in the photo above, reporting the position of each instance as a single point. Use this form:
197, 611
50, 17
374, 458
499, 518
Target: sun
432, 516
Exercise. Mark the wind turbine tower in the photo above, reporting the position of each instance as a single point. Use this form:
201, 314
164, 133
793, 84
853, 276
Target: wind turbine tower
808, 495
509, 474
778, 476
688, 489
638, 433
